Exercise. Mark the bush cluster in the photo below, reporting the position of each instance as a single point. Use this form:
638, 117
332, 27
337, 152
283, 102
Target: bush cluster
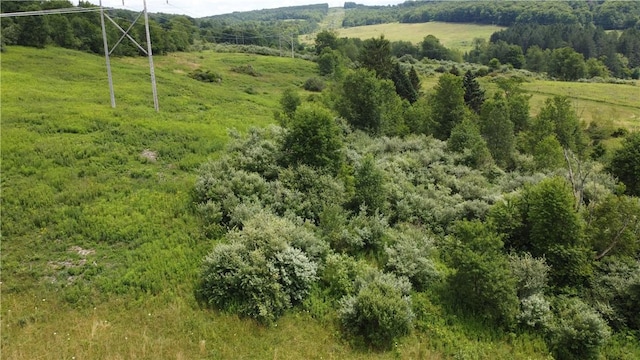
380, 311
320, 214
246, 69
259, 273
206, 76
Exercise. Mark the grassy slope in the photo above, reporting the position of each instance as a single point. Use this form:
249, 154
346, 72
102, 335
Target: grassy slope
451, 35
100, 250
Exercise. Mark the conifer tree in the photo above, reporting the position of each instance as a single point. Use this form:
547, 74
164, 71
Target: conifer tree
415, 79
447, 105
404, 87
473, 93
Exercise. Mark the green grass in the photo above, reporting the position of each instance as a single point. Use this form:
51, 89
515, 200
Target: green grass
101, 250
607, 104
451, 35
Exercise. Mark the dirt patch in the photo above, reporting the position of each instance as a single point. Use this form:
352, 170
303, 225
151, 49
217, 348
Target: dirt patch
149, 155
82, 252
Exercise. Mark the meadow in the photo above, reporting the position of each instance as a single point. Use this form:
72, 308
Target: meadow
101, 248
451, 35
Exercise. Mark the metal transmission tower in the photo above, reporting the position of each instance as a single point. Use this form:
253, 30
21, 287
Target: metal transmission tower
125, 33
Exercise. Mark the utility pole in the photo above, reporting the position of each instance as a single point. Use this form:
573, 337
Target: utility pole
151, 67
147, 51
106, 55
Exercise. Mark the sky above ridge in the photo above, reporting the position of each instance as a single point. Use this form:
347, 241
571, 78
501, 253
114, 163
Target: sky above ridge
202, 8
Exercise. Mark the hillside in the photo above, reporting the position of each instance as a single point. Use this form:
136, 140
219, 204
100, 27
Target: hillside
102, 248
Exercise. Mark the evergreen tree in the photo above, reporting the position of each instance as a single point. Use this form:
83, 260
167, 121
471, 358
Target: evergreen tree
447, 105
376, 55
473, 93
403, 85
415, 79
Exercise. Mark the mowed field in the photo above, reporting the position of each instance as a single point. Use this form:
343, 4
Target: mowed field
451, 35
101, 250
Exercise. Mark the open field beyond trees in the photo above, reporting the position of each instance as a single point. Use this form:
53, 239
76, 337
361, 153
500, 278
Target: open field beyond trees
451, 35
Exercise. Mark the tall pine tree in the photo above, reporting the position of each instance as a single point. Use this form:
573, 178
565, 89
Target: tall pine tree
404, 87
473, 93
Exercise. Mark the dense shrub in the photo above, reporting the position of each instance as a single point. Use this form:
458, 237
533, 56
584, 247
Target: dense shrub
412, 255
314, 84
206, 76
339, 275
531, 274
258, 273
626, 164
482, 284
246, 69
535, 311
616, 291
313, 139
578, 331
380, 311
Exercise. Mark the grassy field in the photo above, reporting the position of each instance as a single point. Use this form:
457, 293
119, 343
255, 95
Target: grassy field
101, 250
454, 36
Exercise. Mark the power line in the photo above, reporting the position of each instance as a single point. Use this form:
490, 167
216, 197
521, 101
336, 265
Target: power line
75, 10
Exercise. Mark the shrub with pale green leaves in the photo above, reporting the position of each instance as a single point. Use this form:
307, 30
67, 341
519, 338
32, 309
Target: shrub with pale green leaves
411, 255
531, 273
535, 311
259, 273
380, 311
578, 332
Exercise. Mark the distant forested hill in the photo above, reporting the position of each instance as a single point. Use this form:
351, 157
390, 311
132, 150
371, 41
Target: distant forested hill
609, 14
262, 27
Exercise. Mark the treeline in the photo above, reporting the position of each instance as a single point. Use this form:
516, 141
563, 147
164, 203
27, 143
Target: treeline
609, 14
314, 13
82, 31
618, 51
252, 33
